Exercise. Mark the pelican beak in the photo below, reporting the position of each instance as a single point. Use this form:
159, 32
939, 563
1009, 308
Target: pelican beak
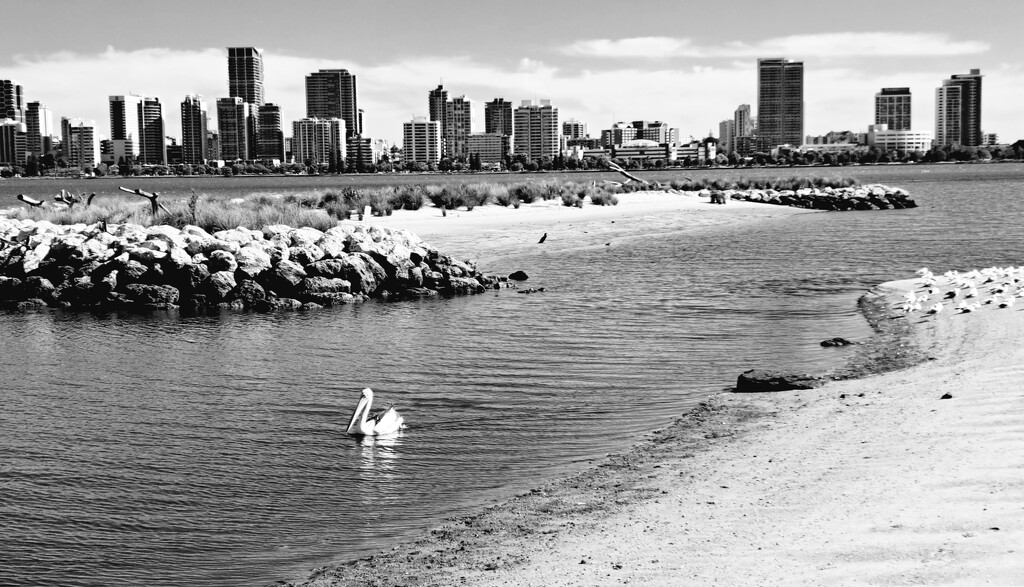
355, 414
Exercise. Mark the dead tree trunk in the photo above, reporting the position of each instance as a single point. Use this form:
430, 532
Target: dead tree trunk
152, 197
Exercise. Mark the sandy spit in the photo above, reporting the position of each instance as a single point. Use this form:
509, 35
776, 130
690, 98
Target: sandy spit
873, 481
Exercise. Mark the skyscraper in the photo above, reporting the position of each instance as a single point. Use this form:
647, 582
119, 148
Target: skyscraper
958, 110
780, 102
892, 107
193, 130
245, 74
271, 135
152, 131
574, 129
233, 115
12, 142
39, 128
438, 110
536, 130
727, 136
498, 117
331, 93
12, 102
460, 125
124, 126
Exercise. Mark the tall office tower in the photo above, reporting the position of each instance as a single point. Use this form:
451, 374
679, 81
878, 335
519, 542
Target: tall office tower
892, 107
245, 74
958, 110
780, 102
271, 134
536, 130
193, 130
438, 110
726, 136
460, 125
421, 140
331, 93
316, 139
12, 142
78, 142
124, 126
39, 128
12, 102
574, 129
233, 123
498, 117
152, 143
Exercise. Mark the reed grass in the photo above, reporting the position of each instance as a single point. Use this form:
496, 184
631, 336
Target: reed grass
323, 210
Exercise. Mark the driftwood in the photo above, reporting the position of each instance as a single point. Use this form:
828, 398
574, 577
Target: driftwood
152, 197
68, 198
628, 175
30, 201
88, 201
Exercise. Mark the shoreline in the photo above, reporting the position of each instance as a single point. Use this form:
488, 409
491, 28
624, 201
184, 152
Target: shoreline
869, 479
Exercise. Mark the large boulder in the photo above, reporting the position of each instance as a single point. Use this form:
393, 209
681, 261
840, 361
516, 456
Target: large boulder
317, 285
250, 293
305, 254
152, 295
221, 261
285, 277
219, 285
253, 260
761, 380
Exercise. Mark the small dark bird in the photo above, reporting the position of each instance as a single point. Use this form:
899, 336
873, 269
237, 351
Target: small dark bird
543, 238
607, 244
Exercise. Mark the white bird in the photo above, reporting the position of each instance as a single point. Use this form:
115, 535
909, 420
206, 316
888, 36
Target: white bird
388, 421
935, 308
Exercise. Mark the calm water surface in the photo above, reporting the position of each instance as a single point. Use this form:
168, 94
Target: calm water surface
173, 450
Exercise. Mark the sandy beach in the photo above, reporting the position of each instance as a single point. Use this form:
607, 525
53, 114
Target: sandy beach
873, 481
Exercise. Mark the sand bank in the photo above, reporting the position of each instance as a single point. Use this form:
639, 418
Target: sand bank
489, 232
867, 481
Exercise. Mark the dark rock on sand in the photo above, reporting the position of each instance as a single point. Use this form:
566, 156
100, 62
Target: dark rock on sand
761, 380
837, 341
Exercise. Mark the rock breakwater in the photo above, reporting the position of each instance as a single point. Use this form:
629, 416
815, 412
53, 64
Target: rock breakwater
866, 197
277, 268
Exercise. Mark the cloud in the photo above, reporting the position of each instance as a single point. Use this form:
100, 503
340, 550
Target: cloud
852, 45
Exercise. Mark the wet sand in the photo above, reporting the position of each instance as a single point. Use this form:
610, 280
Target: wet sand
874, 480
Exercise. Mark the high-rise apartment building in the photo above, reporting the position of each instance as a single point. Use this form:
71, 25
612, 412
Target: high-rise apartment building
245, 74
194, 120
460, 124
421, 140
233, 125
12, 142
152, 143
656, 131
536, 132
12, 102
727, 136
78, 142
437, 102
39, 129
124, 126
574, 129
743, 131
498, 117
271, 134
331, 93
958, 110
892, 108
317, 140
780, 102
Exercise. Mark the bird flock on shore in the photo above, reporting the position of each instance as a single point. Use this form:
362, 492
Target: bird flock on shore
966, 292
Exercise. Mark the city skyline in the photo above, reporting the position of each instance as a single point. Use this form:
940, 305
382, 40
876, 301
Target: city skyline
690, 79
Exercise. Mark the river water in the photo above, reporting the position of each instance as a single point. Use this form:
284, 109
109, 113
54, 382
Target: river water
174, 450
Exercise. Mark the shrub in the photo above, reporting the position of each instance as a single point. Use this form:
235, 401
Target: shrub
571, 199
604, 200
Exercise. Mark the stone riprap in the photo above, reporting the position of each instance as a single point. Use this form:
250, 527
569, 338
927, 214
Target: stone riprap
865, 197
278, 268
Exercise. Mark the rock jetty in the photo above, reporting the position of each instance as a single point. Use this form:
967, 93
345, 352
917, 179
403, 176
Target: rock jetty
866, 197
277, 268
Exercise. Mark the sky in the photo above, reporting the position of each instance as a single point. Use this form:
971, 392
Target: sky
687, 63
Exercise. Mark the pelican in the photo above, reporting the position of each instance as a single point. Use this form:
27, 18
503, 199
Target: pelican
387, 422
